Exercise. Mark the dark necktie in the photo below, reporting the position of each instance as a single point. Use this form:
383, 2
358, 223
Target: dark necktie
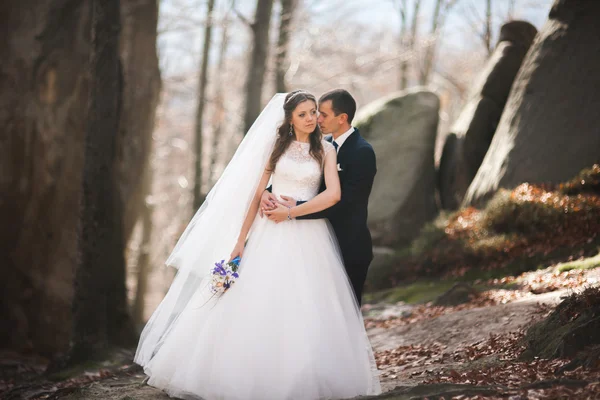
335, 145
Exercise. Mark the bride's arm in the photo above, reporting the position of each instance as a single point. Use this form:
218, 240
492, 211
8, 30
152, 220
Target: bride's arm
322, 201
250, 216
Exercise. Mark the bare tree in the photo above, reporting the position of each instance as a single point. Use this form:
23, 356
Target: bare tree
258, 61
202, 81
97, 317
407, 40
510, 12
440, 12
143, 262
219, 111
285, 21
44, 84
140, 98
481, 25
487, 36
403, 71
414, 26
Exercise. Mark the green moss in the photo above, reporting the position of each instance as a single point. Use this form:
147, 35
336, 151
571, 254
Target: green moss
572, 326
413, 293
586, 263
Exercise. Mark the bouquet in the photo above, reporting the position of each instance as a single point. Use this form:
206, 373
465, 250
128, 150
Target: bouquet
224, 275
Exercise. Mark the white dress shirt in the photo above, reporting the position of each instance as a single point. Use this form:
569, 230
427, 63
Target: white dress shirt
342, 138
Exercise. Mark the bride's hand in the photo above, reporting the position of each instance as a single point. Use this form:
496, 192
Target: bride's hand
237, 250
287, 201
278, 214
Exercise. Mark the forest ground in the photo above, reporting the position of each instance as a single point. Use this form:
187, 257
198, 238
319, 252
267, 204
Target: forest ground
421, 350
452, 320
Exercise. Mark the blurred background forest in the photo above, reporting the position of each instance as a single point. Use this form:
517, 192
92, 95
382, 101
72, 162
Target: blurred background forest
119, 116
371, 49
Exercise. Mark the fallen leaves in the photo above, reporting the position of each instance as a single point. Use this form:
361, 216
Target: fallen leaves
529, 224
534, 379
39, 387
409, 356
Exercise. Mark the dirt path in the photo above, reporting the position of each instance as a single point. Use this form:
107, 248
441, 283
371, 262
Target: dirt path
445, 333
452, 331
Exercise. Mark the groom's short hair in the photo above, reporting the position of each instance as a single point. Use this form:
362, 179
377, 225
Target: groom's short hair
341, 102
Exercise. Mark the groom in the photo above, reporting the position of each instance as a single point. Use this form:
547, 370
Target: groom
356, 168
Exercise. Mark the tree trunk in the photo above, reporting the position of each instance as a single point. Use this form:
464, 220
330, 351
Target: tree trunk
412, 41
430, 47
141, 92
202, 80
258, 61
285, 21
101, 231
510, 13
43, 91
487, 35
403, 81
549, 130
143, 264
219, 113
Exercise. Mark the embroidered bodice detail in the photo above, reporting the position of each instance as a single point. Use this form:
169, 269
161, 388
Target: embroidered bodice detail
297, 174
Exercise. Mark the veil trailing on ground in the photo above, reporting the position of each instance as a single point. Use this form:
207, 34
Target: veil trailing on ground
213, 231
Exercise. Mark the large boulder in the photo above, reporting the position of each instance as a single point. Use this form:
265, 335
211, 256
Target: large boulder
549, 130
402, 129
472, 133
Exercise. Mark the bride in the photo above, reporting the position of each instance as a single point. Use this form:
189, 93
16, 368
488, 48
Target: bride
290, 327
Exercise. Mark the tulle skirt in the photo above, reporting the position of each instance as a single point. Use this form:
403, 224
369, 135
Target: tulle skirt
289, 328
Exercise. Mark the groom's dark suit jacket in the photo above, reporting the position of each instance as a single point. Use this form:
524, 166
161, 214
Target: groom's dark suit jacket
357, 169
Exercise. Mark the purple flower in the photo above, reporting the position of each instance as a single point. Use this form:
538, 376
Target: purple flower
219, 268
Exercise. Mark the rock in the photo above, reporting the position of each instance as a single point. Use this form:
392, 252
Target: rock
384, 311
472, 132
383, 269
549, 129
573, 326
402, 129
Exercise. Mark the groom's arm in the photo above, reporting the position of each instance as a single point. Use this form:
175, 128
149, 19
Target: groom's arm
357, 186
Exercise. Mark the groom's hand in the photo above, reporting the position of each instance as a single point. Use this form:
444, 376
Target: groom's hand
288, 201
268, 201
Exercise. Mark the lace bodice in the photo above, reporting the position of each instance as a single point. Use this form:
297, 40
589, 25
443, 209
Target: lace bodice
297, 174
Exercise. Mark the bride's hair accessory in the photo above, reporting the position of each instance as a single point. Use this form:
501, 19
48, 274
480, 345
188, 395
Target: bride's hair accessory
295, 93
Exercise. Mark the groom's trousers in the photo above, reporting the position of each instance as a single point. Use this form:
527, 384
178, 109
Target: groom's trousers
357, 273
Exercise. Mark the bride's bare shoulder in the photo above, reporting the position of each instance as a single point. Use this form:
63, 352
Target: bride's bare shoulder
327, 146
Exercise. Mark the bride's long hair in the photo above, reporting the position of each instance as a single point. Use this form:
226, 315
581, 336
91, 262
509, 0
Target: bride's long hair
284, 139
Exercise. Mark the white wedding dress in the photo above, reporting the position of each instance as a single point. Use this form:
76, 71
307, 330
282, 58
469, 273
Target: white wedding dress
289, 328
